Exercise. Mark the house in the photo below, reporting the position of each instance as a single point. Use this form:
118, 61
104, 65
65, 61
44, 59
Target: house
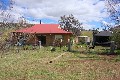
103, 38
46, 33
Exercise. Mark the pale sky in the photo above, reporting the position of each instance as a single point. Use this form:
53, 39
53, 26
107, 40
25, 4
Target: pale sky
89, 12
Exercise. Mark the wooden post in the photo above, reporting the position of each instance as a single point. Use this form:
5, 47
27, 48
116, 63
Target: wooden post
39, 44
112, 47
69, 45
35, 42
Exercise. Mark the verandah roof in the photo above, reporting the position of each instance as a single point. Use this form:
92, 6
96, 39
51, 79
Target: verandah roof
104, 33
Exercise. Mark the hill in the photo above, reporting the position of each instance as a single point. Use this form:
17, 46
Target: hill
87, 33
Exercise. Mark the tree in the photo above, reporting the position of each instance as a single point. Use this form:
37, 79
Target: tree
116, 37
95, 31
6, 18
5, 15
106, 26
5, 22
70, 23
113, 8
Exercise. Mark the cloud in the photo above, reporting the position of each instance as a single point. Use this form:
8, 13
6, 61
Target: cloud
88, 26
33, 22
84, 10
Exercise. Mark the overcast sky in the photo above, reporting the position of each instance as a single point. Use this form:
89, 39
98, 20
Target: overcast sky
89, 12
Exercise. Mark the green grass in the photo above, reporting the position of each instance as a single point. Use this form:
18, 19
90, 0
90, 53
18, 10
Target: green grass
34, 65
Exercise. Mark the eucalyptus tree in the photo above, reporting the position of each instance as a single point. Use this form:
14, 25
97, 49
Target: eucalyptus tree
70, 23
113, 9
5, 13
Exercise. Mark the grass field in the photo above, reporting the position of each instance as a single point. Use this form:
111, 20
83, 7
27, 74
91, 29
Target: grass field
35, 65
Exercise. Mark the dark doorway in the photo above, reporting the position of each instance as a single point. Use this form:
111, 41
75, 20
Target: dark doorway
42, 38
102, 40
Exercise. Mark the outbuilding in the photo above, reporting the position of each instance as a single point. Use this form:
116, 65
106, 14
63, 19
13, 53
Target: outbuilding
83, 39
103, 38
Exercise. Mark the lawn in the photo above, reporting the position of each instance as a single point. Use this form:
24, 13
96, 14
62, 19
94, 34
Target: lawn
36, 65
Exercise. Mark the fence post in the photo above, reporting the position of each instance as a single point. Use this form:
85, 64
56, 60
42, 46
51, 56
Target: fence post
112, 47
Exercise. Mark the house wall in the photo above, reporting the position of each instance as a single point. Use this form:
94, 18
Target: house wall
32, 39
50, 38
66, 37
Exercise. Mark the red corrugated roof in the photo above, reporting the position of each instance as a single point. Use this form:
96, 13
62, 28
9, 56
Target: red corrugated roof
44, 28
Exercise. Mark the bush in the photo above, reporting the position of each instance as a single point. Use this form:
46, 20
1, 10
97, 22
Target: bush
116, 37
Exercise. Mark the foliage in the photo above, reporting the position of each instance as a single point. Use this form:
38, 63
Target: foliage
7, 18
113, 8
70, 23
116, 37
5, 9
7, 24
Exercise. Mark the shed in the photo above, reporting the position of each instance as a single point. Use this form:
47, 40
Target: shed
83, 39
103, 38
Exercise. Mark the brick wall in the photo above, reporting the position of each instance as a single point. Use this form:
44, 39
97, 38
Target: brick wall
32, 39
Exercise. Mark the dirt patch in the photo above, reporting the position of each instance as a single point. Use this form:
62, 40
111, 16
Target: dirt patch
79, 61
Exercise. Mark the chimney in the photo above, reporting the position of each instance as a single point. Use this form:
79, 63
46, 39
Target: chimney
40, 21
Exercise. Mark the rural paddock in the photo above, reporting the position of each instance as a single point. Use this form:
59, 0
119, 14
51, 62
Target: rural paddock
34, 64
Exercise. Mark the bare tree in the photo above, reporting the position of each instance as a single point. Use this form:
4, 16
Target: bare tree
5, 15
106, 26
70, 23
113, 8
5, 19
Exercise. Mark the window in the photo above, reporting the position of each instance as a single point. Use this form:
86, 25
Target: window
58, 37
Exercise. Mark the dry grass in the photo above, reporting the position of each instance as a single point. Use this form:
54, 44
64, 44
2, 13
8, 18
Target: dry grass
87, 33
34, 65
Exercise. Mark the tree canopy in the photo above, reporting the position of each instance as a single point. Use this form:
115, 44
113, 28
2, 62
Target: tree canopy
70, 23
113, 8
